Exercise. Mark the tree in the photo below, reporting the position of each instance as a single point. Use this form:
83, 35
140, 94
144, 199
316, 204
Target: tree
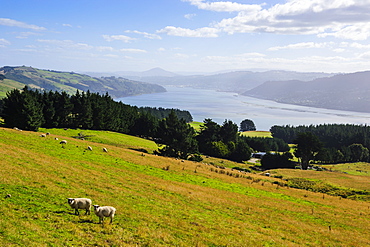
276, 161
247, 125
23, 109
359, 152
307, 147
177, 136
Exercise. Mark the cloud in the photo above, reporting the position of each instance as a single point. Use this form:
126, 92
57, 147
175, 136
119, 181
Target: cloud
338, 18
303, 45
104, 48
145, 34
123, 38
224, 6
4, 42
205, 32
25, 35
66, 44
14, 23
134, 50
190, 16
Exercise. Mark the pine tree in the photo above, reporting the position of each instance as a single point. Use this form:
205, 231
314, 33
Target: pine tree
176, 137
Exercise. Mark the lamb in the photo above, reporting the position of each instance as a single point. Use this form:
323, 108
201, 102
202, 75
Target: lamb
80, 203
105, 211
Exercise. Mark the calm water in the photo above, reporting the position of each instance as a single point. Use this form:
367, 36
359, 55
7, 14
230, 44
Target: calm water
219, 106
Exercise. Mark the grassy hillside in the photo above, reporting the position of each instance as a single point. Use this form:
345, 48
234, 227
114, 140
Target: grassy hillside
70, 82
160, 201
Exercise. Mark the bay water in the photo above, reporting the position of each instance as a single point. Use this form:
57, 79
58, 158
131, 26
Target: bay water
221, 106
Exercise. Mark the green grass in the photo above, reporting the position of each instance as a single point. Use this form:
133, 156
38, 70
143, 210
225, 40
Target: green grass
257, 134
196, 125
8, 85
160, 201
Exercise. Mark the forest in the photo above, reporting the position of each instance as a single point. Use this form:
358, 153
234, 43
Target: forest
335, 143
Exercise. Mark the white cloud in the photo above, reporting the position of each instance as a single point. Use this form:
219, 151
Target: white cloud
14, 23
4, 42
224, 6
347, 19
133, 50
66, 44
303, 45
205, 32
123, 38
145, 34
66, 25
104, 48
190, 16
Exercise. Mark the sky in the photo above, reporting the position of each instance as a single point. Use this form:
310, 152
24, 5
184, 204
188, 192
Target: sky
186, 35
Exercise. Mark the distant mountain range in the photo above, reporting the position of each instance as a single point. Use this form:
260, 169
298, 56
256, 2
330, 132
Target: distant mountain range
18, 77
350, 92
237, 81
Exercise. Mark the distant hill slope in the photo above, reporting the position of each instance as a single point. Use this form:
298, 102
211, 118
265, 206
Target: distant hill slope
70, 82
350, 92
236, 81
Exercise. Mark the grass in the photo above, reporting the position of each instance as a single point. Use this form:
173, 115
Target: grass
160, 201
8, 85
257, 134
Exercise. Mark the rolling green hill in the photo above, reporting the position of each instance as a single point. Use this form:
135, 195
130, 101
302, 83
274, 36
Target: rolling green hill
160, 201
17, 77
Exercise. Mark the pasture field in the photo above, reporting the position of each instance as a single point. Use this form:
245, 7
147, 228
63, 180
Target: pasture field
257, 134
160, 201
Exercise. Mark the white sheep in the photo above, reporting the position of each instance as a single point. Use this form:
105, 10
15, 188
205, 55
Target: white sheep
105, 150
63, 142
80, 203
89, 148
105, 211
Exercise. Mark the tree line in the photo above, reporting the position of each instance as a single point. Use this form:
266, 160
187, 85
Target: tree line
329, 143
31, 109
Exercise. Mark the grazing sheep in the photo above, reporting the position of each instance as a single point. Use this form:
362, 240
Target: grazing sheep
8, 196
80, 203
47, 133
106, 211
42, 135
89, 148
63, 142
105, 150
56, 138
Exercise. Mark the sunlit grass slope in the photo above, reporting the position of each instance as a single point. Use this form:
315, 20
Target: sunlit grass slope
160, 201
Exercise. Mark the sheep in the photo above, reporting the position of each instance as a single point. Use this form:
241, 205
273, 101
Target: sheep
105, 211
56, 138
63, 142
89, 148
80, 203
8, 196
105, 150
42, 135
